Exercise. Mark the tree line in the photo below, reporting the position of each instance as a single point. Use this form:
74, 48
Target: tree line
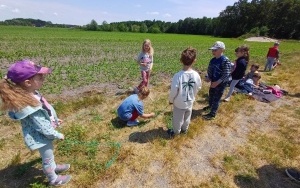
34, 23
273, 18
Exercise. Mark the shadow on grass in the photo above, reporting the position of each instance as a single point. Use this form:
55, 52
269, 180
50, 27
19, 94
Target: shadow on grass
269, 176
296, 95
148, 136
22, 175
118, 123
197, 113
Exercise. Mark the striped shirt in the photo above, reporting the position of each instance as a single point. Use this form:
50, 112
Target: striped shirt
219, 69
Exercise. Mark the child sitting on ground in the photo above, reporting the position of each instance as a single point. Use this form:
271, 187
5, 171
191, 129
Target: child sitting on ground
132, 107
247, 86
254, 68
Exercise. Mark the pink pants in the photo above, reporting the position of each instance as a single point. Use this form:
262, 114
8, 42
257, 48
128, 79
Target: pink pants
145, 77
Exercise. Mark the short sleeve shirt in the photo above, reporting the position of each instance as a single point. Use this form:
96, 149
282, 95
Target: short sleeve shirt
129, 105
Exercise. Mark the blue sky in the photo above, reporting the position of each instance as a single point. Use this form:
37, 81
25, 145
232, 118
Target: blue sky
81, 12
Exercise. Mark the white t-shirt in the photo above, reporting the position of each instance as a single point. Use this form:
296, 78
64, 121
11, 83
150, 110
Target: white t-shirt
184, 88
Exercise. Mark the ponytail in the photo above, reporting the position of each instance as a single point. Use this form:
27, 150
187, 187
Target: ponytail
14, 97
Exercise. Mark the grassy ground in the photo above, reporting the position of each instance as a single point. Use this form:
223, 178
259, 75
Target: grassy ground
249, 144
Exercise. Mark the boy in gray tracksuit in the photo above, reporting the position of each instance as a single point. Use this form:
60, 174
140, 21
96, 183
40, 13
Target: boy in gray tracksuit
185, 85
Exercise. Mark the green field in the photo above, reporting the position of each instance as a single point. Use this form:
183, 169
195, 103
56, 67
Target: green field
103, 152
80, 57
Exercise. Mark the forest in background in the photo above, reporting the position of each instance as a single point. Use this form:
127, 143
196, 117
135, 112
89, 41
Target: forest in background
273, 18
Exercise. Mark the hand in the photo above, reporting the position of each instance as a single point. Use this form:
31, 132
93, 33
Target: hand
214, 84
152, 114
207, 79
63, 137
60, 121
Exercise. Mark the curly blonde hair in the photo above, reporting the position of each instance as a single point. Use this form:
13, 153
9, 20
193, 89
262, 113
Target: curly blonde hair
14, 97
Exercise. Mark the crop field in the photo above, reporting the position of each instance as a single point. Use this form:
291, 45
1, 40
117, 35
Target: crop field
80, 58
92, 72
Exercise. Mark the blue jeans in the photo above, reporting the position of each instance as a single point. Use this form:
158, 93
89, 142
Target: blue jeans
215, 95
269, 64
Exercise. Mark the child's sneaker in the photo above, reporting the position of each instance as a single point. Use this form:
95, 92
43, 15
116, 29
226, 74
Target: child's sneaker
183, 131
208, 117
227, 99
132, 123
293, 174
61, 180
171, 133
62, 168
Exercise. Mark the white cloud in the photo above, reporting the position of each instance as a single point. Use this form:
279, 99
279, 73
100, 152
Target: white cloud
55, 13
153, 13
15, 10
167, 15
3, 6
104, 12
138, 6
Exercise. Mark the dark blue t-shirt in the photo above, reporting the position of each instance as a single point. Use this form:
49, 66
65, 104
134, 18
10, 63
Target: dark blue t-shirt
130, 104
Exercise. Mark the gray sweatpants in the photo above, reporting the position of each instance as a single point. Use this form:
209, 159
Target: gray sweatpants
49, 165
181, 119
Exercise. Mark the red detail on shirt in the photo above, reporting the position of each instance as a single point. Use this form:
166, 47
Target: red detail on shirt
273, 52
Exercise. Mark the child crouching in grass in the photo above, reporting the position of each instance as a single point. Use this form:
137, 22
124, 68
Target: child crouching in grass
184, 88
133, 107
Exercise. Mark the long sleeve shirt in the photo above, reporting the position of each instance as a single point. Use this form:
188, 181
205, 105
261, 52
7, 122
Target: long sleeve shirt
219, 69
184, 88
240, 69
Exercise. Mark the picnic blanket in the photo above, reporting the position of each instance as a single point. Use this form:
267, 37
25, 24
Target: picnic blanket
264, 93
267, 93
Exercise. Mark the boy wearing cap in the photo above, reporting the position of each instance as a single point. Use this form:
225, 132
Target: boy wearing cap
218, 74
272, 57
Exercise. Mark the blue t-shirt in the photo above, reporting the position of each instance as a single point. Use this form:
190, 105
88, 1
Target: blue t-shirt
130, 104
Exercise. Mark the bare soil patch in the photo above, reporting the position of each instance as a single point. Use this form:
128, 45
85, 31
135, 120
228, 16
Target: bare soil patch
261, 39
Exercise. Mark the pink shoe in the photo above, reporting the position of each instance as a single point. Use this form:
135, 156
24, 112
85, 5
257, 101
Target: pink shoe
62, 167
61, 180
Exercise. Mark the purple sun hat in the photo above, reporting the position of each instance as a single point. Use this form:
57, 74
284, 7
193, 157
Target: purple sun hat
25, 69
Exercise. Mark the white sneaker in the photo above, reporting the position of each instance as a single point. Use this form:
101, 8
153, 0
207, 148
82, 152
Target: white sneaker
132, 123
227, 99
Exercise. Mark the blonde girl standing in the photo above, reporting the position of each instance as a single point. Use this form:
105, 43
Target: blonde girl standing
145, 61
